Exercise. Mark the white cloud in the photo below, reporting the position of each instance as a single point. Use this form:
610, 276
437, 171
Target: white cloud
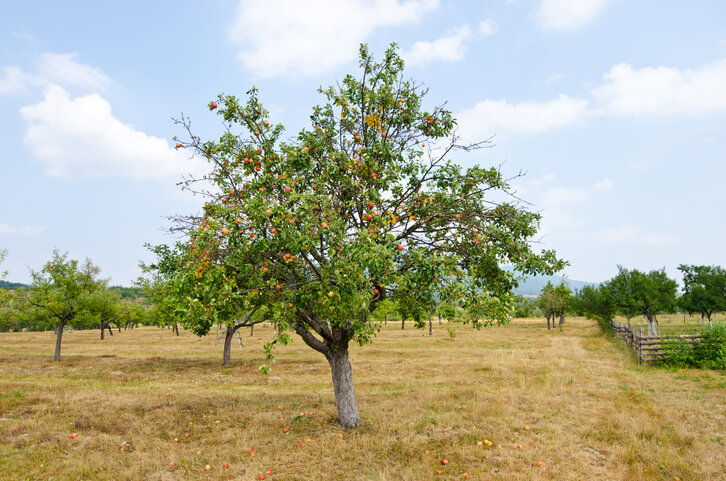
559, 196
632, 235
448, 48
25, 230
567, 14
64, 70
663, 90
80, 137
490, 116
311, 37
13, 80
487, 27
54, 68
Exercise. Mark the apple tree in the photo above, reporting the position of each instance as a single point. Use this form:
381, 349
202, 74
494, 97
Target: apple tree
363, 206
704, 290
635, 292
62, 293
209, 293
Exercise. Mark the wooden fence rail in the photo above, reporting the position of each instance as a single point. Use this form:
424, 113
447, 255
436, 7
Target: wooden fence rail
649, 348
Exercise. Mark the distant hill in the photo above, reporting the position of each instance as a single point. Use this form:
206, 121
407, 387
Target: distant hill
532, 286
11, 285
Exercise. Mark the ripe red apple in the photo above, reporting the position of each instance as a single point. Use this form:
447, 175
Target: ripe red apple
259, 150
444, 462
269, 471
225, 231
287, 188
369, 217
277, 286
172, 464
74, 435
178, 146
176, 440
261, 476
375, 291
186, 435
225, 466
238, 220
264, 269
400, 247
370, 205
213, 105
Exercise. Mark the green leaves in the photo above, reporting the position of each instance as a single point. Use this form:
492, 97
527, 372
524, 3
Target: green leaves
310, 230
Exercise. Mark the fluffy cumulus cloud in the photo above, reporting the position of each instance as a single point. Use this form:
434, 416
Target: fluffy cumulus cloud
493, 116
25, 230
567, 14
663, 90
80, 137
283, 37
448, 48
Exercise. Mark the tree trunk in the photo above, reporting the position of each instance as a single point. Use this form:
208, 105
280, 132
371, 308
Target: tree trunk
58, 337
651, 326
343, 386
562, 318
252, 330
176, 329
110, 331
702, 321
548, 321
385, 319
403, 323
227, 356
103, 328
430, 325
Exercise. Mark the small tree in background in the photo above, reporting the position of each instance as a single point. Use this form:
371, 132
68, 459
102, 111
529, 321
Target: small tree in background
595, 303
60, 291
553, 301
366, 205
634, 292
704, 290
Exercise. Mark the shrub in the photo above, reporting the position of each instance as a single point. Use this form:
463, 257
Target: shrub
710, 353
678, 353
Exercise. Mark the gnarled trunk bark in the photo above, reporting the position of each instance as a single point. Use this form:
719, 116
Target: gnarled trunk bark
548, 321
403, 323
430, 325
562, 318
343, 386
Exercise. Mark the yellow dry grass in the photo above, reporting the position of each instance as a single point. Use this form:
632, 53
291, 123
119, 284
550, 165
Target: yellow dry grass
573, 399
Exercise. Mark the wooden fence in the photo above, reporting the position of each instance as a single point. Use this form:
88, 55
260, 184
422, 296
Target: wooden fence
649, 348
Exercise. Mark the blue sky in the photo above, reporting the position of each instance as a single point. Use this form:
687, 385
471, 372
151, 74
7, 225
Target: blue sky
615, 109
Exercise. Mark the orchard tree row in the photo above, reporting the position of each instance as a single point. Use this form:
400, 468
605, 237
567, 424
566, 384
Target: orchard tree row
67, 293
634, 293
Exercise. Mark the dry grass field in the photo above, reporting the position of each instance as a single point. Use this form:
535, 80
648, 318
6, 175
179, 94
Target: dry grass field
569, 404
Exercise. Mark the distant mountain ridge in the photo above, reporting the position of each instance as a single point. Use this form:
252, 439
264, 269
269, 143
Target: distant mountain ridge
11, 285
532, 286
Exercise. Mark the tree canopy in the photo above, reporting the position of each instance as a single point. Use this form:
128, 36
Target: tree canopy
363, 206
61, 291
648, 294
704, 289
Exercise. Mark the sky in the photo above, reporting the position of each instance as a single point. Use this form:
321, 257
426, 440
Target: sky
615, 110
